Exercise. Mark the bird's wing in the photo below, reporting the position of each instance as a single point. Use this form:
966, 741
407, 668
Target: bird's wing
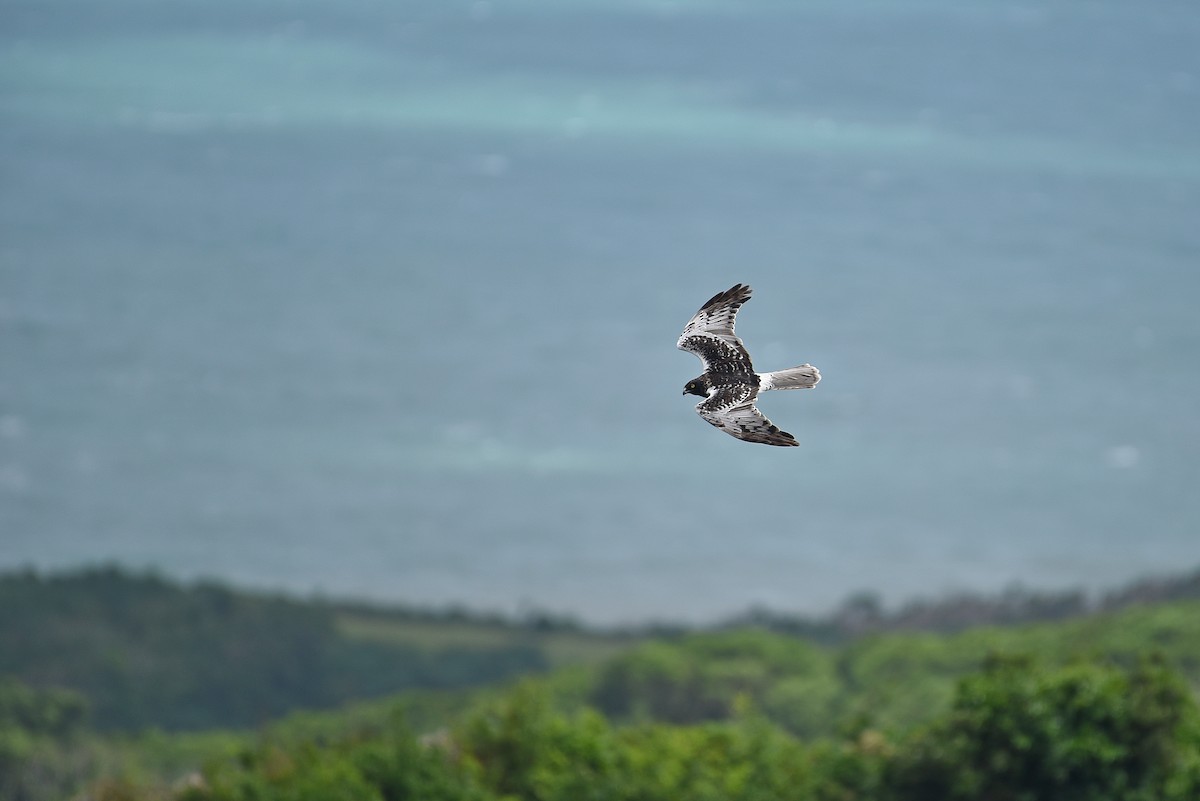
731, 408
709, 334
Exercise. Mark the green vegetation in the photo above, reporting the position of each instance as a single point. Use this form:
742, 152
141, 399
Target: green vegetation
38, 730
559, 645
1084, 732
148, 652
1099, 706
890, 682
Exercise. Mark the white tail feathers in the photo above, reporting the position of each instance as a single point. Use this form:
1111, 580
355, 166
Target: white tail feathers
803, 377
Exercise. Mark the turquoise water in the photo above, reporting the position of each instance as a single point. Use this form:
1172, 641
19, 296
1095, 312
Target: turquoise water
382, 301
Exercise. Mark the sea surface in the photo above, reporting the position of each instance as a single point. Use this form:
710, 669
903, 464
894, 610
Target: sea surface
380, 299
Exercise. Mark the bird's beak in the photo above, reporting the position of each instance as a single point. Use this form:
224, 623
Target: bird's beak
685, 392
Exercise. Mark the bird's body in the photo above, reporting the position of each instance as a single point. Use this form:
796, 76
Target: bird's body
729, 383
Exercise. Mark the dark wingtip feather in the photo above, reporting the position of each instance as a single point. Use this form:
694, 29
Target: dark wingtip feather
738, 292
788, 439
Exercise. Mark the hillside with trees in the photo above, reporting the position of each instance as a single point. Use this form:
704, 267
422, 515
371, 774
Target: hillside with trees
145, 651
1013, 729
1100, 705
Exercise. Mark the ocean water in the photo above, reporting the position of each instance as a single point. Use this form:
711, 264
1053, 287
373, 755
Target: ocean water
380, 300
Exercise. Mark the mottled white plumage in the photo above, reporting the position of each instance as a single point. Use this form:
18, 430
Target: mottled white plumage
729, 383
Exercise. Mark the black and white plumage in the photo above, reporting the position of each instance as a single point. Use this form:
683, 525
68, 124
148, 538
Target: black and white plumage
729, 384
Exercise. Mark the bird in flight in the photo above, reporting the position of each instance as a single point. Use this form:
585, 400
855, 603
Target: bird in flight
729, 384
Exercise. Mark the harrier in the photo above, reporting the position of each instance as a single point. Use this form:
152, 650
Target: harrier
729, 384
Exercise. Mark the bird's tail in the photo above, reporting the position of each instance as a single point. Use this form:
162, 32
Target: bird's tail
803, 377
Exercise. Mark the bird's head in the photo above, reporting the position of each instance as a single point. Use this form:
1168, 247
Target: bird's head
697, 386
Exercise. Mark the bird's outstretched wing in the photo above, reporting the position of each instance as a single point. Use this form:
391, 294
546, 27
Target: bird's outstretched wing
709, 334
731, 408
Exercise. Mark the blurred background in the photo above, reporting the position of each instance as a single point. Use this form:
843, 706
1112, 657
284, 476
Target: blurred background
380, 300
